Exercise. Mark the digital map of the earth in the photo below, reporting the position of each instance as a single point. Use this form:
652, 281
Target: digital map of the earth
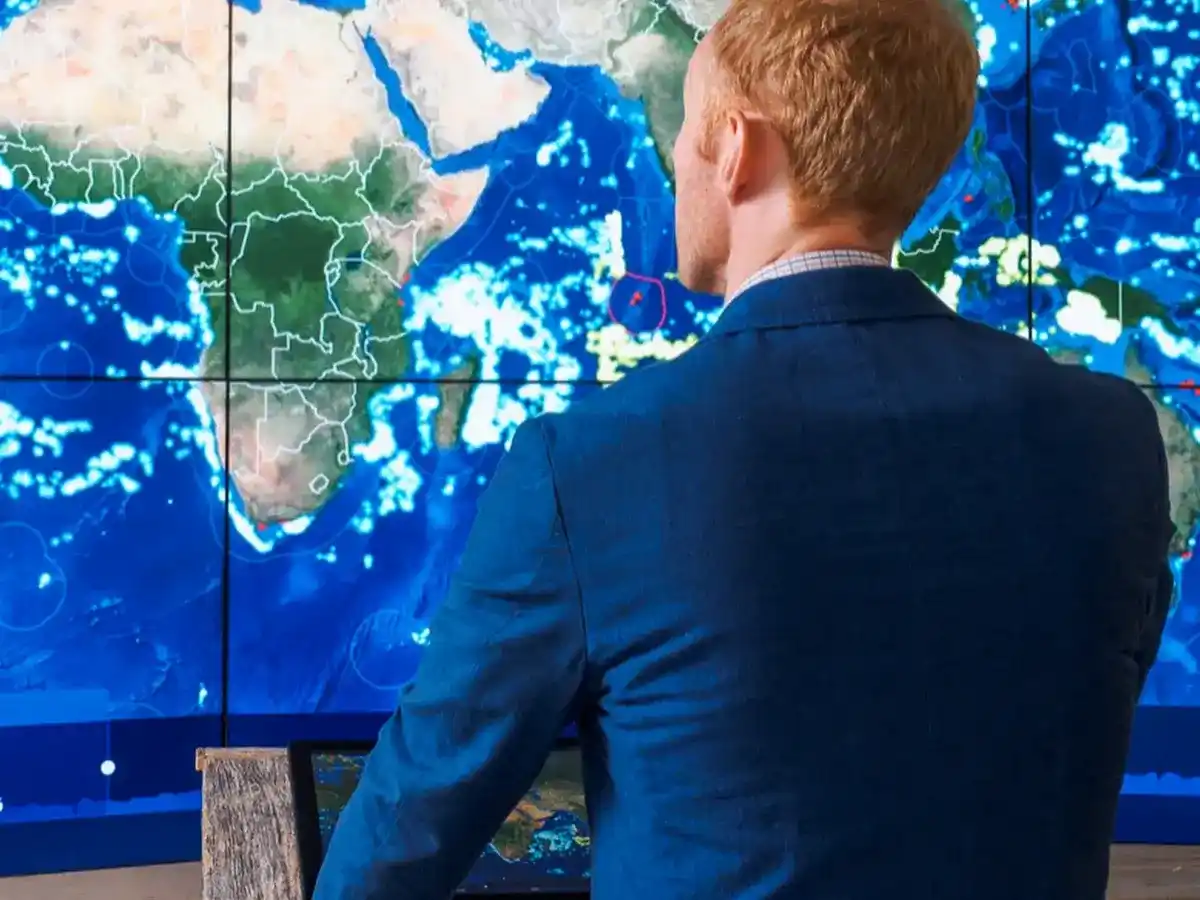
279, 280
542, 845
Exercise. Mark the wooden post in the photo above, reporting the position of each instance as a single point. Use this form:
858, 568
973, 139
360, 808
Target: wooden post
249, 849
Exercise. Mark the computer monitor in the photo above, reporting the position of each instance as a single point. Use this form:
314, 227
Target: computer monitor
541, 848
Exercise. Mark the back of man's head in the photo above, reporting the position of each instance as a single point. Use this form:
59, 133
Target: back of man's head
867, 102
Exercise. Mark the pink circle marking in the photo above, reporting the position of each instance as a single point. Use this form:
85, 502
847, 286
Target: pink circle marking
644, 279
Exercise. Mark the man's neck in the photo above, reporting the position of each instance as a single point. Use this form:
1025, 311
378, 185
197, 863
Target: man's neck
753, 256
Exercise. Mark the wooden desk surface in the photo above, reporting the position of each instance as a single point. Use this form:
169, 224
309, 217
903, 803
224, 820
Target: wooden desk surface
1140, 872
1152, 872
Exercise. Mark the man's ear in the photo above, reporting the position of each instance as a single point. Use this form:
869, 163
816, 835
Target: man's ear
732, 154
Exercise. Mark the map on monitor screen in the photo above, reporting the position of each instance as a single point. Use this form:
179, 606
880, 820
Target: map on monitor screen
543, 845
279, 280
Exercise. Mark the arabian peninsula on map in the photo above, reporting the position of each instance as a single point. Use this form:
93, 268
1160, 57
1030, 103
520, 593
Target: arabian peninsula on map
279, 280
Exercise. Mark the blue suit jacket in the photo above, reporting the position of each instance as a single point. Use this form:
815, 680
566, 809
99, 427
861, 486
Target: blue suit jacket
853, 600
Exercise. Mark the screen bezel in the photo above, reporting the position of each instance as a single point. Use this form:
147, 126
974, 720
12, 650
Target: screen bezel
308, 823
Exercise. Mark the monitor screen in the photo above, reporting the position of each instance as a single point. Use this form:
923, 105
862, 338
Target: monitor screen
542, 845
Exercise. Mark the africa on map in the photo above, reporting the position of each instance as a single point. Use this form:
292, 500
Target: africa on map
279, 280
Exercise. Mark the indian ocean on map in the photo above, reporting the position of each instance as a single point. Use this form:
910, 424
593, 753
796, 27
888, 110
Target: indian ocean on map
340, 253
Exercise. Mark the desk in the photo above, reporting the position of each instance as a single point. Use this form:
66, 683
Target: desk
1152, 872
1139, 873
250, 846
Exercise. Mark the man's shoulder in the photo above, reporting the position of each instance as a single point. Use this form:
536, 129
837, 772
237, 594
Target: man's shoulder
1076, 391
1110, 395
1109, 424
605, 416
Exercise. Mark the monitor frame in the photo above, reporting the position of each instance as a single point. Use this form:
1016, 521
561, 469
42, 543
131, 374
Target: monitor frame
310, 849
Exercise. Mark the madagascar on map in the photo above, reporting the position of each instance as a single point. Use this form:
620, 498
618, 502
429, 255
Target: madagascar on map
279, 280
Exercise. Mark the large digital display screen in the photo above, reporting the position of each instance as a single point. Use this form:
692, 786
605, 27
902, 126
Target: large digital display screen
543, 845
279, 279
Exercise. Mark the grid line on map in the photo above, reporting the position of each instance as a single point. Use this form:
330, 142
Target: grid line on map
413, 380
227, 433
1030, 194
284, 382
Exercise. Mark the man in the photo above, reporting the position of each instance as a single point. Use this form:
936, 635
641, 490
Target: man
852, 601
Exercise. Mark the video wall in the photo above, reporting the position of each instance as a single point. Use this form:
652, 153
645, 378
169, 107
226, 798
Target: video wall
279, 280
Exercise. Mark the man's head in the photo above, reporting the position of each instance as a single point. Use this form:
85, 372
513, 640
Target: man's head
816, 124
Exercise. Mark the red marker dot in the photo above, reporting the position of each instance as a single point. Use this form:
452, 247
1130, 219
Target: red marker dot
968, 198
636, 298
262, 526
1186, 554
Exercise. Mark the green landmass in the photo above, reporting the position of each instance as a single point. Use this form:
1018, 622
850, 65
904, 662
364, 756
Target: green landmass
290, 441
559, 788
988, 168
310, 294
515, 837
289, 232
660, 85
307, 279
932, 257
53, 172
1183, 455
1183, 463
1121, 301
454, 399
1126, 303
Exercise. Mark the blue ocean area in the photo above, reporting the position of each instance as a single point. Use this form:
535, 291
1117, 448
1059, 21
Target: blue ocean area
1140, 131
385, 573
140, 606
555, 861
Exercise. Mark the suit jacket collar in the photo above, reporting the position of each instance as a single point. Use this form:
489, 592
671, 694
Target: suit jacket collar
828, 296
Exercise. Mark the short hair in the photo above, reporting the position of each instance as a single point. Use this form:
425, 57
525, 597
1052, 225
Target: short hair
872, 98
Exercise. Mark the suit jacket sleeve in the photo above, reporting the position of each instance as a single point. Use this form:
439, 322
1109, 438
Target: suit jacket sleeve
1155, 624
495, 686
1159, 606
